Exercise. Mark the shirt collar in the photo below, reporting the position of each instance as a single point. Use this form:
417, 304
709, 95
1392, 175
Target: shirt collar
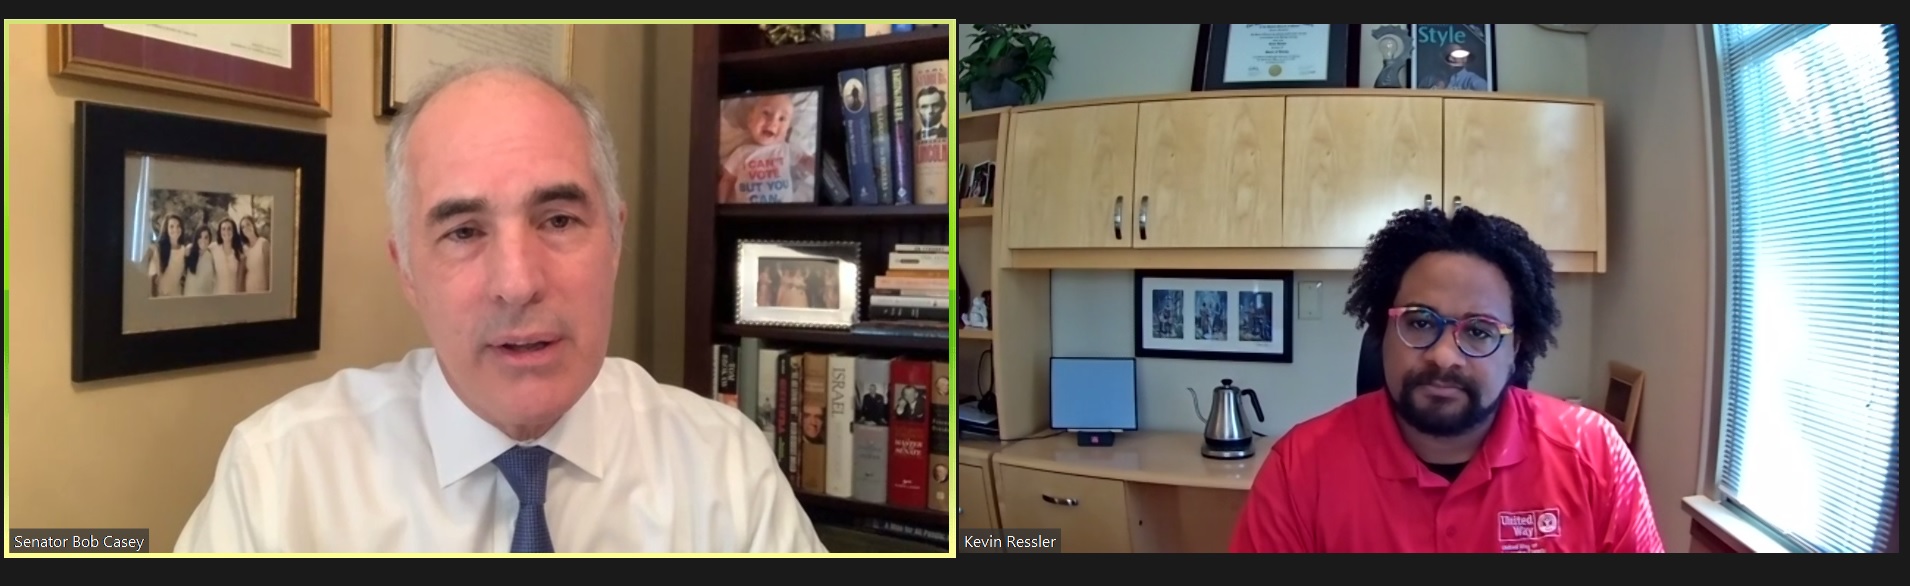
462, 443
1504, 445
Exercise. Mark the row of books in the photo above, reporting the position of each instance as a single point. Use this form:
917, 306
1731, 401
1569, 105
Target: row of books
895, 124
843, 32
868, 428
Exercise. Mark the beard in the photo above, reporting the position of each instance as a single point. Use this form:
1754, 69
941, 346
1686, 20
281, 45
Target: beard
1441, 420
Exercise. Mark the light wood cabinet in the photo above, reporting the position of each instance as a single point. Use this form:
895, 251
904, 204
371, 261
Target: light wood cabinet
1207, 173
1081, 163
1354, 161
1536, 163
1091, 513
1219, 179
975, 499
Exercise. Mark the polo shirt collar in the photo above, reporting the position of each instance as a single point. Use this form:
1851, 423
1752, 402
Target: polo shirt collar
1504, 445
462, 443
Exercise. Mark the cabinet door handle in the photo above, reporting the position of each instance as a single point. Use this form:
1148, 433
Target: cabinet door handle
959, 511
1120, 202
1429, 203
1066, 502
1457, 203
1140, 219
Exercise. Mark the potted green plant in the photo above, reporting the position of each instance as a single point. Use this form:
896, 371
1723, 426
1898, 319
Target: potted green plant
1009, 66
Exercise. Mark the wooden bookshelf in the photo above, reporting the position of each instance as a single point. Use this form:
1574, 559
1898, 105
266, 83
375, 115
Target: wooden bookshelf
837, 339
730, 59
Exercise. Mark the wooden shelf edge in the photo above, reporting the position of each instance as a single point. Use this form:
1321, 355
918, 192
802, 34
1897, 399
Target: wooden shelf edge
975, 213
835, 338
924, 517
817, 212
975, 334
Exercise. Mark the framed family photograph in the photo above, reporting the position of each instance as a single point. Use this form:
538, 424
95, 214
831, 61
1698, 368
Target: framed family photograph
281, 66
1244, 316
197, 241
1462, 57
408, 54
766, 147
798, 284
1276, 56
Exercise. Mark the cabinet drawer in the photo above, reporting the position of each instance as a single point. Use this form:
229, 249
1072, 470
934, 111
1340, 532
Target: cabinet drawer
975, 506
1091, 513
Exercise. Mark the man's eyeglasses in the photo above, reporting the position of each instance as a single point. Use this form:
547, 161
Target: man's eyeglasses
1420, 328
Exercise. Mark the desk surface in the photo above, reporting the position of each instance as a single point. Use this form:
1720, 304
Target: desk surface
1152, 457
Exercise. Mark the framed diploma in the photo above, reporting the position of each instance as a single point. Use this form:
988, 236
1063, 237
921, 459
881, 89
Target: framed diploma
409, 53
281, 66
1261, 56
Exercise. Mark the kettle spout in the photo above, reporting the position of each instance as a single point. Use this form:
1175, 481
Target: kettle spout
1194, 396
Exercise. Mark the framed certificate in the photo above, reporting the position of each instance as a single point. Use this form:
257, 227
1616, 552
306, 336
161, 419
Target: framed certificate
1259, 56
280, 66
407, 54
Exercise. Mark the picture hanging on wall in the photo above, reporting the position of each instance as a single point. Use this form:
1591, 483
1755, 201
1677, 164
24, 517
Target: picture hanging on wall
408, 54
1461, 57
1276, 56
197, 241
281, 66
1244, 316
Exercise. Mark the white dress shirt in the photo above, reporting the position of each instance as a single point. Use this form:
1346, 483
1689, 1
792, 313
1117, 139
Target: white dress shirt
388, 459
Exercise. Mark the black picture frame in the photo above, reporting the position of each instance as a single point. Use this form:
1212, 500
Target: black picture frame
1210, 65
1424, 50
104, 137
1188, 332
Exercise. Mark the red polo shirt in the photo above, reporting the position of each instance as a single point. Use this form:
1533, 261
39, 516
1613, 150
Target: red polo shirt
1550, 477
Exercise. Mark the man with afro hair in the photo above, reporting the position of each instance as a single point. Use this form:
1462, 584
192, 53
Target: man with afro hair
1452, 456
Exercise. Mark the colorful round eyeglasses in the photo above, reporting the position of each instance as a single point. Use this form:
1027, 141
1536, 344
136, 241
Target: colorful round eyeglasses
1476, 336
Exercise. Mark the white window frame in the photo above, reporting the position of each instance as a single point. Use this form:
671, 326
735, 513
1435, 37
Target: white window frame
1712, 427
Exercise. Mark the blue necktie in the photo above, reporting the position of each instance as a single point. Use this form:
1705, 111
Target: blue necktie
527, 469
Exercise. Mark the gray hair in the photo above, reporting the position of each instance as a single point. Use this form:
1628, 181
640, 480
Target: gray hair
603, 152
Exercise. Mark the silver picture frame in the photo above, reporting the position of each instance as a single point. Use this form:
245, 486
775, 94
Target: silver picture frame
798, 284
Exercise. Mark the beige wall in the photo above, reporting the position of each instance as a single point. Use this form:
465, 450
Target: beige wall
1656, 303
138, 452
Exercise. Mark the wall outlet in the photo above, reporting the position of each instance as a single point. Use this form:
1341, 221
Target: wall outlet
1309, 299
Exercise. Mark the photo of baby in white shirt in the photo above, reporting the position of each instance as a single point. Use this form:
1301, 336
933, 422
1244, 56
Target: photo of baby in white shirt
769, 149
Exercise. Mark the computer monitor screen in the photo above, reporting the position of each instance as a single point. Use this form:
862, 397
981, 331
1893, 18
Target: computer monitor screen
1093, 393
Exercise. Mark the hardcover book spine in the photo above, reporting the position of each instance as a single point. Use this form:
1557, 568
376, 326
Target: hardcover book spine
931, 131
872, 430
938, 470
908, 433
879, 122
901, 134
841, 433
853, 89
815, 419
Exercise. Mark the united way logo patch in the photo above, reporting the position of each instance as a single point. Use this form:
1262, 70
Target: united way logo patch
1526, 531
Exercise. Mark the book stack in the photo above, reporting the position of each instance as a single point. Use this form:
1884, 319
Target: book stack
910, 297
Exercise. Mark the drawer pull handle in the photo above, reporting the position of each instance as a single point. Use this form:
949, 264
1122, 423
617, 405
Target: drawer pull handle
1061, 501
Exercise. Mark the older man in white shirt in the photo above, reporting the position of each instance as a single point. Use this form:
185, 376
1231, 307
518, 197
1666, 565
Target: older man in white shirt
513, 432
